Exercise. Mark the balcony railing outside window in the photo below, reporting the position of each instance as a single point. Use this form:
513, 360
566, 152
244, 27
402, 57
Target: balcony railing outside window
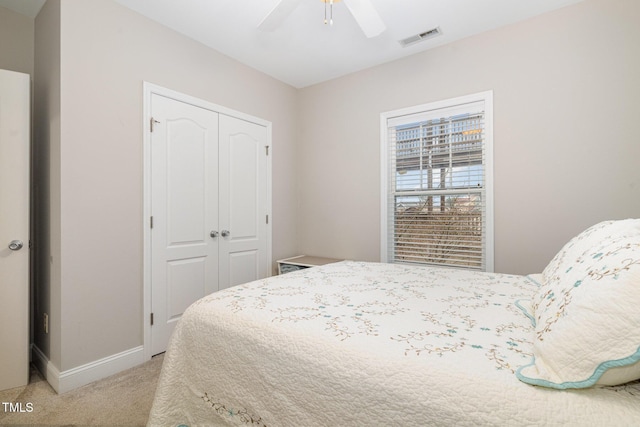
438, 187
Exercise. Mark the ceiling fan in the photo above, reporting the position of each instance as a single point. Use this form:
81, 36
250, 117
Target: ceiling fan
362, 10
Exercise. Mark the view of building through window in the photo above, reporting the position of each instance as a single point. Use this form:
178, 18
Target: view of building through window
437, 189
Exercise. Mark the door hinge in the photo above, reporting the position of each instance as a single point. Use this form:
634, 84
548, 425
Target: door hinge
151, 221
152, 121
267, 149
151, 319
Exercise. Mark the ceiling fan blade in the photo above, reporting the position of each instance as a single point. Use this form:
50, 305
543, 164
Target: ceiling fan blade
366, 16
277, 16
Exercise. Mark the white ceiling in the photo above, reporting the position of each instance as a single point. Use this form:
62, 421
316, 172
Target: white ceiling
303, 51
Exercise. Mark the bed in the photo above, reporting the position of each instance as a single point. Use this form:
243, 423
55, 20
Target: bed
360, 343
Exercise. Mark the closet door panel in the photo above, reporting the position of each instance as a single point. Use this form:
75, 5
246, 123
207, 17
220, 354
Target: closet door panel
243, 266
243, 201
184, 207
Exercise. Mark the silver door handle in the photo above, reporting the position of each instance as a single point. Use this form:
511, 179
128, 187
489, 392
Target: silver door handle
225, 233
16, 245
213, 234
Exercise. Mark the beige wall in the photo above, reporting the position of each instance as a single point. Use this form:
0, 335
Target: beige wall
565, 96
106, 52
566, 143
46, 236
16, 42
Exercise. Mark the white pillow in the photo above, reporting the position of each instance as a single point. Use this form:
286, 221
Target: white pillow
587, 311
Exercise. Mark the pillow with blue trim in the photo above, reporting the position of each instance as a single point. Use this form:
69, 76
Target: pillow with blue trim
587, 311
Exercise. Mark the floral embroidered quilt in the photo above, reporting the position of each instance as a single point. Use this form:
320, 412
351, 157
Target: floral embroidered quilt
358, 343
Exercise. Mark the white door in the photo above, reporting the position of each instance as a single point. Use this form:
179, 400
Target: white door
243, 201
184, 207
14, 229
209, 185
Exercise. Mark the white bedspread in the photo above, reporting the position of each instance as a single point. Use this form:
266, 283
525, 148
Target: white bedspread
367, 344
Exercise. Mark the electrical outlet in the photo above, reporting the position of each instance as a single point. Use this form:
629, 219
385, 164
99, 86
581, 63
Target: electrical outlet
46, 323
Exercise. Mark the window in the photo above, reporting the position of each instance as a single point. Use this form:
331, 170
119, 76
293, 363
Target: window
437, 206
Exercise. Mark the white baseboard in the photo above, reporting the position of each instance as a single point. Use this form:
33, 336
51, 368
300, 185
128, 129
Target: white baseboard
46, 368
68, 380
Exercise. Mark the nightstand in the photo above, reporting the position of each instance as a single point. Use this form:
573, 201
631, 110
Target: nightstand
302, 261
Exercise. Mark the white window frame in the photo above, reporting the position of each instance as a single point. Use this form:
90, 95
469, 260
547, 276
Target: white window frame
385, 203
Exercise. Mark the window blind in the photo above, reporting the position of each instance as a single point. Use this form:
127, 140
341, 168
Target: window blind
437, 186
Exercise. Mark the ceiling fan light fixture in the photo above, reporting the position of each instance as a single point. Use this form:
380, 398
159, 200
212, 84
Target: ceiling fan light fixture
362, 11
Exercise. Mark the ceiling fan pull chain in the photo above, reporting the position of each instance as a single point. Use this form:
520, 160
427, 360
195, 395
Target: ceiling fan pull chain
325, 13
331, 7
330, 21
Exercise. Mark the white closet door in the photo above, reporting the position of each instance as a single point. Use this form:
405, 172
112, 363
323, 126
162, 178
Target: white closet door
14, 229
184, 168
243, 201
208, 183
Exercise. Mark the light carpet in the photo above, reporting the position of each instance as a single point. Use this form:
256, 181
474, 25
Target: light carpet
121, 400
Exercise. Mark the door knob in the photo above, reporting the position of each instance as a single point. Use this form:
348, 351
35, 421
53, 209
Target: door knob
15, 245
225, 233
213, 234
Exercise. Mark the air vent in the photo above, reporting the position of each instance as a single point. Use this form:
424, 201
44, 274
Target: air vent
421, 37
